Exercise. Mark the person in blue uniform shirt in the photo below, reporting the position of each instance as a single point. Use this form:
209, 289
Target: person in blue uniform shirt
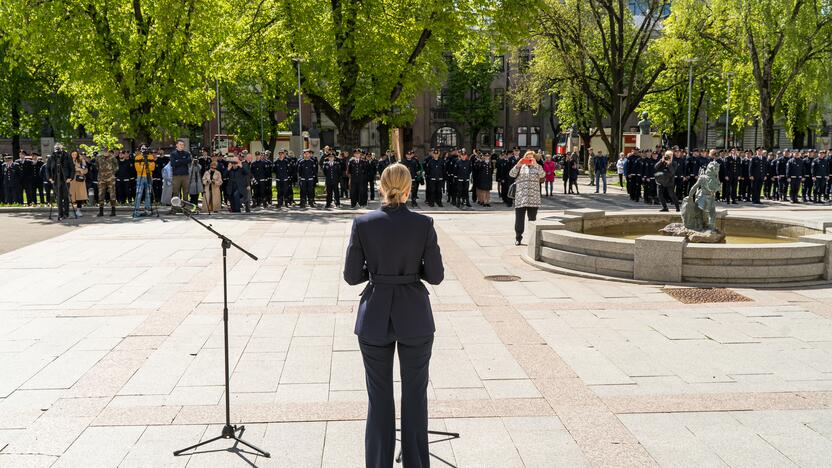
794, 170
394, 249
307, 178
283, 179
332, 177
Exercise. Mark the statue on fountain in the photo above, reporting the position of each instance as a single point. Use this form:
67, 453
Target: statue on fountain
699, 210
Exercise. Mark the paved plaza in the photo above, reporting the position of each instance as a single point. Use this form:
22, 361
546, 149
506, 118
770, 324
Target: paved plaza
111, 353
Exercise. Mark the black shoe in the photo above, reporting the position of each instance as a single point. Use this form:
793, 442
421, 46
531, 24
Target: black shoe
112, 211
517, 242
663, 210
100, 212
414, 204
439, 204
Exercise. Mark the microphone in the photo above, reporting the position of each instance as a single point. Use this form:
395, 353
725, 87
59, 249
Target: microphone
180, 203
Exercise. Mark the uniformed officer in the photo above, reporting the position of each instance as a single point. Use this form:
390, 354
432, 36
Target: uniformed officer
357, 170
372, 172
732, 173
450, 176
463, 180
756, 174
691, 171
282, 177
293, 175
307, 179
27, 178
770, 181
344, 158
820, 172
742, 177
679, 176
415, 168
808, 181
107, 168
332, 178
633, 175
60, 170
794, 169
11, 180
434, 178
261, 173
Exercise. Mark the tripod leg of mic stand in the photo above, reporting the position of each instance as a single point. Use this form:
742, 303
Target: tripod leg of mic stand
260, 451
200, 444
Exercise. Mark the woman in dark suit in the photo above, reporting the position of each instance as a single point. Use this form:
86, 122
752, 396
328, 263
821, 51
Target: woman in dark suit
394, 250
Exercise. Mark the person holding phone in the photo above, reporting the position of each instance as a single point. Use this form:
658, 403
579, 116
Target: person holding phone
527, 174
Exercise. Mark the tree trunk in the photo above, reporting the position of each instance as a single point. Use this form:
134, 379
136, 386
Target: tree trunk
349, 136
473, 135
383, 138
799, 138
15, 126
767, 117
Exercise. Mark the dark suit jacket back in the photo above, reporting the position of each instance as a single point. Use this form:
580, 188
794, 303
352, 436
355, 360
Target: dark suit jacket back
394, 249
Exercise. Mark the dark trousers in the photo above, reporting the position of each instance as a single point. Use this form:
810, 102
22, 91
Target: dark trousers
29, 188
667, 194
783, 182
462, 193
634, 187
62, 194
265, 191
358, 192
794, 187
332, 190
820, 189
414, 190
380, 435
680, 188
756, 188
520, 220
307, 192
372, 188
283, 192
434, 191
450, 188
47, 193
345, 187
807, 188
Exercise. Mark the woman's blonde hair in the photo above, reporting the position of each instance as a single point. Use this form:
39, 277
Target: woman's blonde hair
530, 153
395, 182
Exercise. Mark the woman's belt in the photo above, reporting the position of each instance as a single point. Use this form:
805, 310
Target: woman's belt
394, 279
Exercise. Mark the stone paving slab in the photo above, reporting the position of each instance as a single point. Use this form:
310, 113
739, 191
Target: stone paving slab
125, 347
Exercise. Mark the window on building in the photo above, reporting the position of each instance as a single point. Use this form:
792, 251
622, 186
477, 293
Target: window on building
500, 98
445, 137
501, 63
522, 136
484, 138
534, 136
442, 98
524, 60
499, 140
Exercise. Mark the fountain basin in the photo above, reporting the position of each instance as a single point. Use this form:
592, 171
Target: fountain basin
619, 246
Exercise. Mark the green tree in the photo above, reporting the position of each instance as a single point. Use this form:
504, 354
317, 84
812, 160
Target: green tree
469, 97
599, 46
361, 59
772, 42
141, 68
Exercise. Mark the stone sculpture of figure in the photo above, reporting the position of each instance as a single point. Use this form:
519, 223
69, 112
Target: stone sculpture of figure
699, 207
644, 124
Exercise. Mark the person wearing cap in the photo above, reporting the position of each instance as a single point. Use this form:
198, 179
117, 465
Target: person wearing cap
794, 170
450, 175
261, 171
434, 178
372, 172
463, 181
27, 178
414, 167
282, 177
307, 179
332, 178
357, 173
820, 172
808, 181
11, 180
769, 184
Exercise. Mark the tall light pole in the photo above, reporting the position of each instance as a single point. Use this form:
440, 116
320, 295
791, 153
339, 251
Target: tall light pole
621, 97
219, 117
728, 108
261, 117
300, 114
690, 92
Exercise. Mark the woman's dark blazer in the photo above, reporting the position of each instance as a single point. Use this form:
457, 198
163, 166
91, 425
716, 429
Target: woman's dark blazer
394, 249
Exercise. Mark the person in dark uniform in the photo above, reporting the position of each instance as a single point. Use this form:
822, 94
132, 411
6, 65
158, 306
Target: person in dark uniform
307, 179
385, 161
345, 179
808, 182
357, 171
293, 175
332, 178
372, 172
744, 191
44, 188
412, 165
261, 173
651, 192
782, 176
11, 180
691, 171
794, 170
434, 179
60, 170
463, 180
280, 168
27, 178
633, 175
732, 172
450, 175
679, 177
756, 175
394, 249
770, 181
820, 172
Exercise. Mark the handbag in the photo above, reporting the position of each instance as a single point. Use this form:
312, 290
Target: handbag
512, 190
80, 178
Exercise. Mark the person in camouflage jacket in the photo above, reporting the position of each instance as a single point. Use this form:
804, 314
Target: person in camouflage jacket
107, 167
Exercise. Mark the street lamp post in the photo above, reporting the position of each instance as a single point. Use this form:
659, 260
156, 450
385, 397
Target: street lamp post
300, 114
690, 92
728, 109
621, 97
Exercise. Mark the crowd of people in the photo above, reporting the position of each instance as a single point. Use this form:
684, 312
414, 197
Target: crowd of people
239, 182
746, 176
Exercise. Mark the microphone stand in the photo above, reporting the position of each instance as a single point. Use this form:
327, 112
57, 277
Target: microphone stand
228, 431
